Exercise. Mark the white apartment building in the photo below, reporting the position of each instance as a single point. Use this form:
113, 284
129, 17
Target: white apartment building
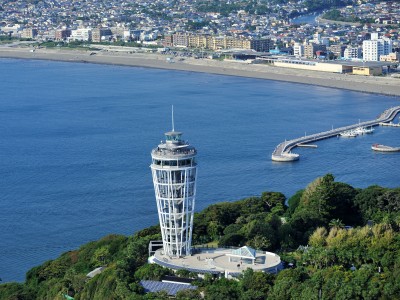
81, 34
352, 53
374, 48
317, 39
298, 50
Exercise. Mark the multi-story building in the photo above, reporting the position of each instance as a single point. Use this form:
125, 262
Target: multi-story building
216, 42
197, 41
62, 34
230, 42
81, 34
209, 41
375, 47
337, 50
298, 50
117, 32
181, 39
316, 38
372, 49
167, 41
29, 33
352, 53
311, 49
260, 45
98, 34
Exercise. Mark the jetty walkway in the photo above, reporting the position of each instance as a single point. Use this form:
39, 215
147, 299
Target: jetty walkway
283, 151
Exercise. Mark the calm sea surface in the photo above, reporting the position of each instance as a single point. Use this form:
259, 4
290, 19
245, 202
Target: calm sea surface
305, 19
75, 142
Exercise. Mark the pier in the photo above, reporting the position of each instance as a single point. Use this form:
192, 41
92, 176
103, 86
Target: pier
391, 124
283, 151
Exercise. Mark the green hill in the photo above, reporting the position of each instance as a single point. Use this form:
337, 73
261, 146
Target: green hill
341, 243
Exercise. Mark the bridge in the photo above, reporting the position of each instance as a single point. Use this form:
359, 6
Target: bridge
283, 153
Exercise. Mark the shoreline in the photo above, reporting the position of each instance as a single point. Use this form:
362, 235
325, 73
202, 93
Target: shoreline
387, 86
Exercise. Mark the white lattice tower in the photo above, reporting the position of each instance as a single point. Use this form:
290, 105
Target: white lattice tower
174, 176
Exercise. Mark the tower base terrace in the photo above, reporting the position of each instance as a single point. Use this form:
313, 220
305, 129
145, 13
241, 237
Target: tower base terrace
219, 261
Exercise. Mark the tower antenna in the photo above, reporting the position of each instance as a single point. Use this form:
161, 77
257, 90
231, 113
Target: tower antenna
173, 125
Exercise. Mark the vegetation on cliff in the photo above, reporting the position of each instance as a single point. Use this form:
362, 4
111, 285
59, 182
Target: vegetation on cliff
338, 242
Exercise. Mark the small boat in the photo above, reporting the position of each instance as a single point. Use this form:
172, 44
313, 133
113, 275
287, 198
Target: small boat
368, 131
383, 148
363, 130
348, 134
359, 130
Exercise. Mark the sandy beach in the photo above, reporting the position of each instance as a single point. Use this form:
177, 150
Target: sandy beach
380, 85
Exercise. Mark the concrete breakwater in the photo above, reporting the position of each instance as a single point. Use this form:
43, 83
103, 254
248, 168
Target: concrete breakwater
283, 153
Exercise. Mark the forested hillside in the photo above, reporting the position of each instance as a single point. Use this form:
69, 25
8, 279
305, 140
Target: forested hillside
337, 242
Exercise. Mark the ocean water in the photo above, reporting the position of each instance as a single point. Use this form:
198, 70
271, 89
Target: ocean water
75, 142
305, 19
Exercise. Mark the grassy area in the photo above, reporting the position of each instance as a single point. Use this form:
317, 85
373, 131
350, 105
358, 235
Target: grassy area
5, 39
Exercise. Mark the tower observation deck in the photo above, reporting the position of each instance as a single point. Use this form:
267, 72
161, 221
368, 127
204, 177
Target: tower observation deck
174, 176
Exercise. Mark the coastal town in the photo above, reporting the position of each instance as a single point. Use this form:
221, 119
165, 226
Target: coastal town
361, 31
95, 206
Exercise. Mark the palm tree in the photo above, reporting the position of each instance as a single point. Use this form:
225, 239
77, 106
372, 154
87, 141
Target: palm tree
336, 223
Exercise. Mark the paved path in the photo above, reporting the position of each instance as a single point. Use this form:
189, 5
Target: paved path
285, 147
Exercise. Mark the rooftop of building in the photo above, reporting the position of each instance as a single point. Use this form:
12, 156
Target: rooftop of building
343, 62
221, 260
173, 147
172, 288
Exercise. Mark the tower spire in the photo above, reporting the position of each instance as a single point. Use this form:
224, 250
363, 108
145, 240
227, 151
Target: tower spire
173, 124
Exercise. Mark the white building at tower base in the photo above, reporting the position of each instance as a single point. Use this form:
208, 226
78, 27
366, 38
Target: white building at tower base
220, 261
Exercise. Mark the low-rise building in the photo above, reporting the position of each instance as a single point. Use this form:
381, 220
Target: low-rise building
312, 65
62, 34
367, 70
349, 67
392, 57
81, 34
12, 29
29, 33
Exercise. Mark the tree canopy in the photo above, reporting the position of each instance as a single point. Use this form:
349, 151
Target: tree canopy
338, 242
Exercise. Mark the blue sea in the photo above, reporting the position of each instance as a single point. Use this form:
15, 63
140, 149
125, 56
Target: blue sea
75, 142
305, 19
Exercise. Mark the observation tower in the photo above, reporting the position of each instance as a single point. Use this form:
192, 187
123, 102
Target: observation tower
174, 176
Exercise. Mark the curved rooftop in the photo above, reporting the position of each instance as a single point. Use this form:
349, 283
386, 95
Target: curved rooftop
220, 260
173, 147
